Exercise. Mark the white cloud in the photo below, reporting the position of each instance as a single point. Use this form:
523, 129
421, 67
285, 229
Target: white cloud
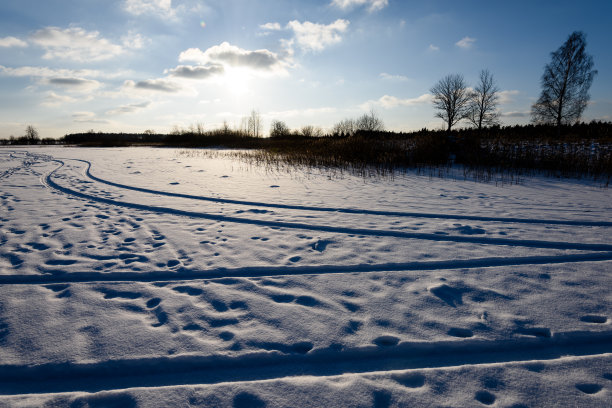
389, 102
75, 44
315, 37
516, 114
8, 42
465, 42
271, 26
45, 72
373, 5
506, 96
87, 117
233, 56
390, 77
433, 48
153, 85
134, 40
52, 99
196, 72
130, 108
74, 84
139, 7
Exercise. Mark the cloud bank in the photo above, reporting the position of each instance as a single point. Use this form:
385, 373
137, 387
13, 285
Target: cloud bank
212, 60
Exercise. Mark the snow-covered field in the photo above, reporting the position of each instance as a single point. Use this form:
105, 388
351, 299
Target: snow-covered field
158, 277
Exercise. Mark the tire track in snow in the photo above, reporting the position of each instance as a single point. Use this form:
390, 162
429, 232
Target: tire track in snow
186, 274
257, 366
324, 228
346, 210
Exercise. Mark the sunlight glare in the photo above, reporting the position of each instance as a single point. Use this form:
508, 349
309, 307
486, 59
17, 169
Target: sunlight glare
236, 81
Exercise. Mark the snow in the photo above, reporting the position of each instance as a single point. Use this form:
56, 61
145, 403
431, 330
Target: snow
164, 277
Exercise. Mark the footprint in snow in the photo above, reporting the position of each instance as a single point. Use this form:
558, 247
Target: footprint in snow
219, 306
386, 341
282, 298
467, 230
410, 380
188, 290
321, 245
594, 319
193, 327
248, 400
308, 301
534, 331
151, 303
382, 399
226, 335
113, 294
459, 332
161, 315
485, 397
448, 294
589, 388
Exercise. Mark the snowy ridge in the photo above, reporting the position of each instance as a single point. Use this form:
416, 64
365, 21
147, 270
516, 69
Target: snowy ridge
164, 371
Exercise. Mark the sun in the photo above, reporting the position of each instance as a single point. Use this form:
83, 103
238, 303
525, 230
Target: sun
237, 81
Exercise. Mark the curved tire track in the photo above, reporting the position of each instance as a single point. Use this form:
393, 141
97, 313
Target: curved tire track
323, 228
346, 210
186, 274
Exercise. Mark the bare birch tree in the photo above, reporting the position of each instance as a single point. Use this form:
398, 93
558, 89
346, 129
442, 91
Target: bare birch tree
254, 124
565, 84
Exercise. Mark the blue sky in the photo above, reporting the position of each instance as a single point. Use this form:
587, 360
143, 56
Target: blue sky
130, 65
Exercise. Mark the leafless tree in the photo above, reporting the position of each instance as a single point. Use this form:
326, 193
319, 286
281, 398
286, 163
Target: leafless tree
254, 124
243, 128
311, 131
345, 127
370, 122
31, 135
278, 128
451, 98
565, 84
483, 102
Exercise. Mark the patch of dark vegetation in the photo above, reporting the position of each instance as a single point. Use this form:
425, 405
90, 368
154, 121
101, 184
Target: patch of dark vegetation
582, 150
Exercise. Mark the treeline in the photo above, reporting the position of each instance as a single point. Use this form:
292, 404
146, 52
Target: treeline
582, 149
31, 137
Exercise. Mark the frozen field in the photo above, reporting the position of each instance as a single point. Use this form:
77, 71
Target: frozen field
158, 277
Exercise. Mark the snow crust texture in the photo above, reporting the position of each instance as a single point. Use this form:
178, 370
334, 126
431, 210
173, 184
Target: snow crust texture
144, 277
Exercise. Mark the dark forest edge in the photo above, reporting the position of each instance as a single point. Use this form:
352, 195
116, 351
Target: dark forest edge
580, 151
